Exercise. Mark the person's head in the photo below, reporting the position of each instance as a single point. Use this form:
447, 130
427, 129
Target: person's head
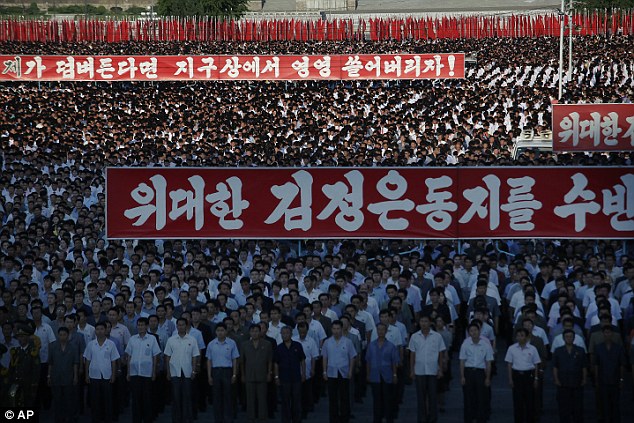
70, 322
302, 329
23, 336
141, 326
337, 329
424, 322
521, 336
181, 326
221, 331
607, 334
474, 331
569, 336
63, 334
255, 331
100, 330
381, 330
286, 333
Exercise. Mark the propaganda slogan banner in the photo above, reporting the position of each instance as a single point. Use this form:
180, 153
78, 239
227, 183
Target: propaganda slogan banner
455, 203
213, 68
593, 127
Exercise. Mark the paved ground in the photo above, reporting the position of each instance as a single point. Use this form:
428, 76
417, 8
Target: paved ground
502, 404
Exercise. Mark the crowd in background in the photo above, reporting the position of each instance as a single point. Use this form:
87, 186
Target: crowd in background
73, 300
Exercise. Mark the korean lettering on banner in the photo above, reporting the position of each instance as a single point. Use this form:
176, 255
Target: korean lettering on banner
618, 203
593, 127
291, 67
152, 200
394, 202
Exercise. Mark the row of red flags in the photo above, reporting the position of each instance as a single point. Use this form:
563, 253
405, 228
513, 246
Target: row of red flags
196, 29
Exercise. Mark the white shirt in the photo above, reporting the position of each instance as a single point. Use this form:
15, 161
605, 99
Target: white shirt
275, 332
181, 350
88, 331
142, 352
46, 335
393, 335
315, 331
559, 342
426, 349
101, 358
476, 355
311, 351
522, 359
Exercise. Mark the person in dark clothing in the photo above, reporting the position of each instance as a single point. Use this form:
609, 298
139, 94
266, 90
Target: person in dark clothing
290, 373
63, 377
570, 372
609, 372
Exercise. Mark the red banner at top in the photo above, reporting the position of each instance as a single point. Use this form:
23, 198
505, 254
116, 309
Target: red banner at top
206, 68
522, 202
593, 127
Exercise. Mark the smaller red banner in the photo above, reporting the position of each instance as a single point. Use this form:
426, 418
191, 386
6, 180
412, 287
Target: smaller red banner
593, 127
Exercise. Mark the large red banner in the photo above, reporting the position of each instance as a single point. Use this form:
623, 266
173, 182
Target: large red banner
275, 68
370, 202
593, 127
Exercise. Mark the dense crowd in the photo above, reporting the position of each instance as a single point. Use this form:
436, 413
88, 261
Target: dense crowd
91, 322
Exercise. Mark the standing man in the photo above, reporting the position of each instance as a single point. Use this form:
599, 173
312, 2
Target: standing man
523, 359
101, 357
290, 373
382, 359
426, 357
24, 368
63, 376
142, 353
338, 353
609, 373
182, 361
47, 337
222, 371
311, 352
476, 356
569, 371
257, 367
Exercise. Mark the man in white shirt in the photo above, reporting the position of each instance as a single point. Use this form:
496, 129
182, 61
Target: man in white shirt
182, 363
142, 354
426, 348
275, 325
101, 368
47, 337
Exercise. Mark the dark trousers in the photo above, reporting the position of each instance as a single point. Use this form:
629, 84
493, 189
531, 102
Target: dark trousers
570, 402
307, 396
257, 401
222, 394
384, 406
65, 403
610, 409
523, 396
160, 394
318, 382
141, 388
427, 398
291, 401
43, 398
101, 400
475, 395
181, 399
339, 399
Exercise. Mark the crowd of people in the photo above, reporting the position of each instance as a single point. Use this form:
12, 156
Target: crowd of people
91, 325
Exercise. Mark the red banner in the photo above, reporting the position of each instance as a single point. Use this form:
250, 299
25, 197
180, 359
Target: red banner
277, 68
593, 127
275, 203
